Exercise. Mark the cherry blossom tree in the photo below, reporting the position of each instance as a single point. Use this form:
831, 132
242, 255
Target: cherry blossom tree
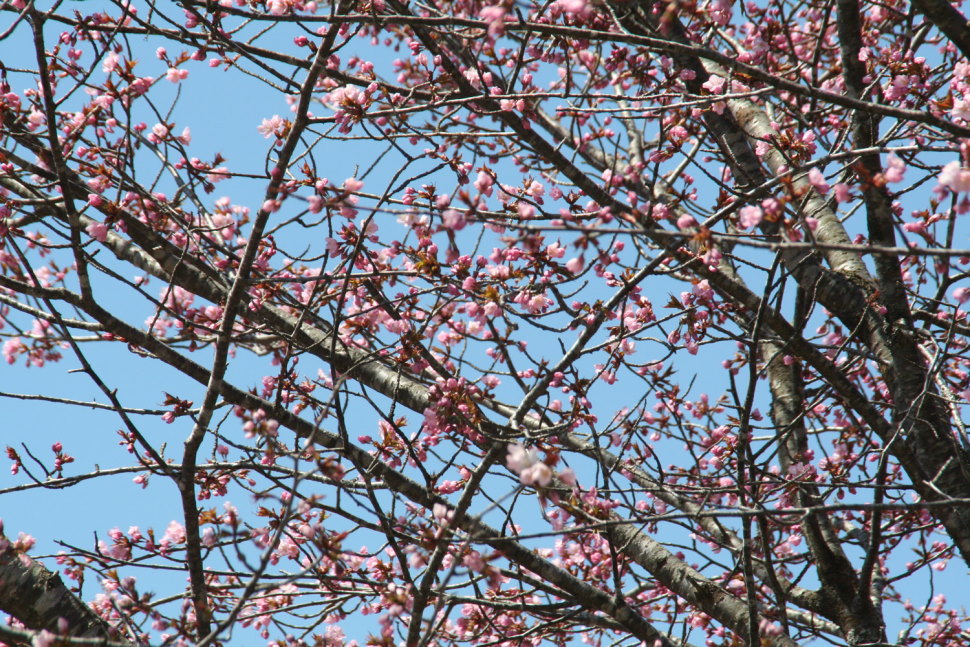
520, 323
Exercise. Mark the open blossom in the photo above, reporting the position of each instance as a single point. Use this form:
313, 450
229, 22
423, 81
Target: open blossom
453, 219
895, 169
349, 104
484, 183
686, 221
495, 17
175, 74
97, 230
110, 63
174, 533
955, 177
269, 127
714, 84
539, 474
750, 216
572, 6
45, 639
961, 109
35, 118
568, 476
442, 514
842, 193
719, 11
531, 302
817, 180
520, 457
525, 462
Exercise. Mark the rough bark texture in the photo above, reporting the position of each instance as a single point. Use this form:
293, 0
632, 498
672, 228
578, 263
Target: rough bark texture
38, 598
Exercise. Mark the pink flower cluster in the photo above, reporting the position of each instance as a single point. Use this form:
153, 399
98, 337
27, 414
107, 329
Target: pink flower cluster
955, 177
525, 462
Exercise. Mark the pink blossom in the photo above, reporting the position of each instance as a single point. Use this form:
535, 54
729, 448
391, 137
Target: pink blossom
141, 85
44, 638
538, 474
917, 227
11, 348
842, 192
677, 133
448, 487
349, 105
714, 84
110, 63
218, 174
453, 219
750, 216
955, 177
817, 180
572, 6
538, 303
686, 221
961, 109
702, 290
484, 183
279, 7
473, 560
174, 533
269, 127
104, 102
771, 207
712, 258
719, 11
899, 87
24, 542
441, 513
99, 183
575, 265
35, 118
895, 169
962, 294
98, 231
520, 458
352, 184
315, 204
174, 74
495, 17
